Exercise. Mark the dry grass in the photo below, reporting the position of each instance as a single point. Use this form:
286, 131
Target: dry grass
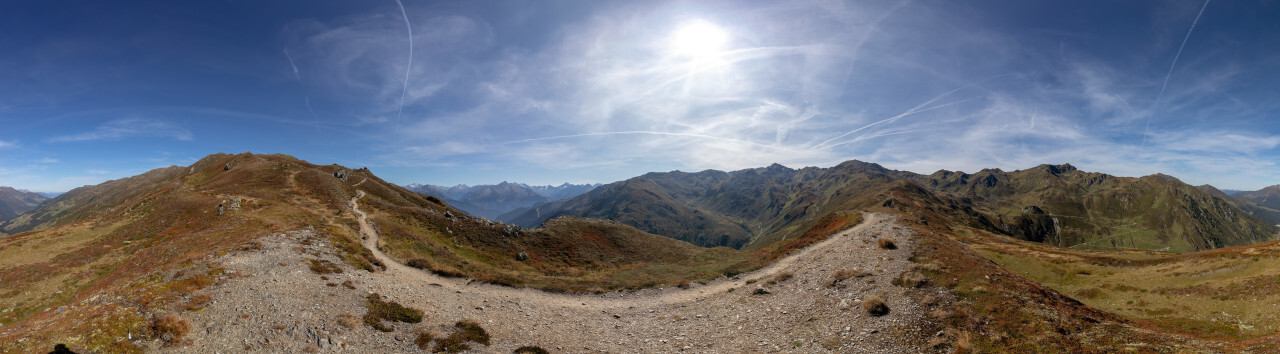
781, 277
846, 274
886, 243
171, 329
875, 306
911, 279
348, 320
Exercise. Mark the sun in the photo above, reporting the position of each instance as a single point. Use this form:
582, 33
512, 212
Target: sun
698, 39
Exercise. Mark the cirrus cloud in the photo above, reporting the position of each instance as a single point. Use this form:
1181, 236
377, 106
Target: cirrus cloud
129, 128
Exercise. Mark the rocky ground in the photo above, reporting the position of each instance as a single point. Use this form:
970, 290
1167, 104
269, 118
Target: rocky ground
277, 303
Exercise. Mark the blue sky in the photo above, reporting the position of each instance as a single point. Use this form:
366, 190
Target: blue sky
545, 92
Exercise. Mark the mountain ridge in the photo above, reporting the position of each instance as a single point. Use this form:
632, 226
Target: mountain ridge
1057, 203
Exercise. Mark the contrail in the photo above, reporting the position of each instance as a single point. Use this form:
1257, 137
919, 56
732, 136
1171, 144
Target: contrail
648, 132
917, 109
295, 67
405, 87
315, 118
1170, 74
823, 146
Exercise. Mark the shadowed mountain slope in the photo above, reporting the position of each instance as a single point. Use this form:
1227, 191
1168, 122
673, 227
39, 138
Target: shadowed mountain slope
1063, 206
14, 202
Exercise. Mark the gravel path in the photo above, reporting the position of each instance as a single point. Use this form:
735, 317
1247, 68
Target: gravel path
280, 305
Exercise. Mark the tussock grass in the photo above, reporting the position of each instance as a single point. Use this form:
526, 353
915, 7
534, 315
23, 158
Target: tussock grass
875, 305
886, 243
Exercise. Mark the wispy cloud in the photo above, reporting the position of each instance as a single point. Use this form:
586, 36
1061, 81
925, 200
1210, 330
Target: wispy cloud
130, 128
361, 61
8, 144
1218, 142
292, 65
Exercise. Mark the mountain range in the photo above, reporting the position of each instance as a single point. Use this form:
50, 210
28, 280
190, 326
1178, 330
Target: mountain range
494, 200
1056, 204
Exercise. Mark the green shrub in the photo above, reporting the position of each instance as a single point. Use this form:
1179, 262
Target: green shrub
465, 331
320, 266
424, 339
388, 310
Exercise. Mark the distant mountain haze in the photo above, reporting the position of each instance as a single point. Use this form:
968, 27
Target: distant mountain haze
1263, 204
492, 201
17, 201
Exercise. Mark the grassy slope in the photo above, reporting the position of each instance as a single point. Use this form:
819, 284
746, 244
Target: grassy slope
1228, 293
1099, 211
58, 279
997, 309
106, 257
